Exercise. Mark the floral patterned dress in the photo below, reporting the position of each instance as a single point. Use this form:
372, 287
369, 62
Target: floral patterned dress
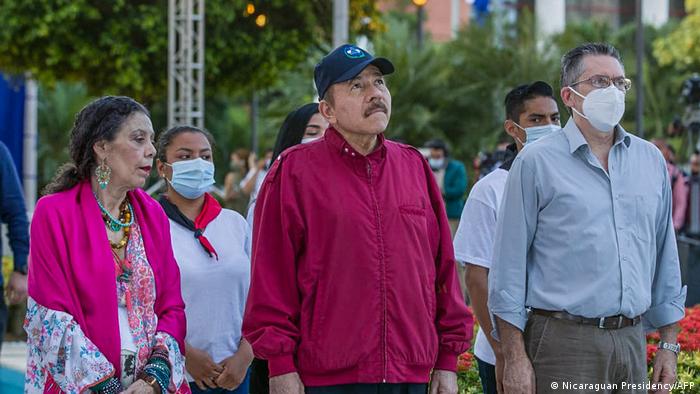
60, 354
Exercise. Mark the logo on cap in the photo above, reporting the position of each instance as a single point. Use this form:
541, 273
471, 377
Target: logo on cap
354, 52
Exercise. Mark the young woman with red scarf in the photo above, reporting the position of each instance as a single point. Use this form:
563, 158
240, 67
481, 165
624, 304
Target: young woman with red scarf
210, 245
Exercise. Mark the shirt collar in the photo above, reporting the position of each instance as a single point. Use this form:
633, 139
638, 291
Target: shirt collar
342, 147
576, 139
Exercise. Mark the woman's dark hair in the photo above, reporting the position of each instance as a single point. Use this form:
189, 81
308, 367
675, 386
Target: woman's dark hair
292, 130
167, 136
98, 121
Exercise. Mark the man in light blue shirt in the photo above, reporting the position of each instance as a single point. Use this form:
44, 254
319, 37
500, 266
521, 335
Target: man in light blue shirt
585, 252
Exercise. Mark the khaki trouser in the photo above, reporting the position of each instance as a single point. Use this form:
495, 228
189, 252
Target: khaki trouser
572, 358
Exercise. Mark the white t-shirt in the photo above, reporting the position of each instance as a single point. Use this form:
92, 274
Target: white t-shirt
473, 241
127, 338
214, 291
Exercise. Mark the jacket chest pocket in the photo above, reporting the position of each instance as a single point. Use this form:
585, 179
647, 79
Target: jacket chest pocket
413, 215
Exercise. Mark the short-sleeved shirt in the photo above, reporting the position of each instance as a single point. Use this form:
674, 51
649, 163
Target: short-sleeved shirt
473, 241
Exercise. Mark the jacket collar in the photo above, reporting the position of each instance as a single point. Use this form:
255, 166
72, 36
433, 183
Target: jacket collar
341, 146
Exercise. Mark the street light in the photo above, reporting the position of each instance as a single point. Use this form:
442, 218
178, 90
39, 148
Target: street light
250, 9
420, 4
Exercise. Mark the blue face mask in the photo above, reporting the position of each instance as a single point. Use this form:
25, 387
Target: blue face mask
533, 134
192, 178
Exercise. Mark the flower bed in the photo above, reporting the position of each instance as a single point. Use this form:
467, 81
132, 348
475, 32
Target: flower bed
688, 360
689, 339
468, 373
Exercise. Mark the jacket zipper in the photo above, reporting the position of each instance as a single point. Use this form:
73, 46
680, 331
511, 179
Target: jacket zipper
382, 268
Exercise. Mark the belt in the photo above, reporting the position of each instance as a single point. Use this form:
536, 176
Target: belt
609, 322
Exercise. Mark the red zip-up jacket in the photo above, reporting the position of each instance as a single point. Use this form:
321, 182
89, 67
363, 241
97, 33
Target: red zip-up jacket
353, 276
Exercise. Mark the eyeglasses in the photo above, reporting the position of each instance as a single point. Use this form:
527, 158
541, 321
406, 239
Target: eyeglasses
603, 81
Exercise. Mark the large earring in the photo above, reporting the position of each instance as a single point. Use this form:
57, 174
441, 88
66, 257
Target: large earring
103, 174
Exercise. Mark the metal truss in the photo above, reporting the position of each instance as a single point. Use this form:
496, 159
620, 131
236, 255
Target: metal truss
186, 62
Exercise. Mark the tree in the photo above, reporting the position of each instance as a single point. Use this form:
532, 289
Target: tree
120, 46
680, 48
56, 112
487, 62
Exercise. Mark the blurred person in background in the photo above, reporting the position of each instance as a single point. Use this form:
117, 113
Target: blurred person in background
234, 197
250, 185
679, 183
451, 177
211, 247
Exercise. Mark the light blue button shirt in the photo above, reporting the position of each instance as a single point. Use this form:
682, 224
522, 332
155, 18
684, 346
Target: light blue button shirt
573, 237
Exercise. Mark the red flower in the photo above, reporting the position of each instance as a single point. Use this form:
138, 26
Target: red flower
651, 352
688, 337
464, 362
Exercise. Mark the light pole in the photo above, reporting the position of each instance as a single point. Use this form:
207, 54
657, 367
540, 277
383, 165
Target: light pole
420, 13
640, 68
340, 22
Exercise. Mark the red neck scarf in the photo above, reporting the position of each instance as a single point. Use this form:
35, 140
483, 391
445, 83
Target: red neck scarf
210, 210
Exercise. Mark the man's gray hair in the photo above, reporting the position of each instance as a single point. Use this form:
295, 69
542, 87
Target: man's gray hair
572, 61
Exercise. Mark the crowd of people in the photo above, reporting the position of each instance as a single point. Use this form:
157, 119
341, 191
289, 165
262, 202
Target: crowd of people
341, 260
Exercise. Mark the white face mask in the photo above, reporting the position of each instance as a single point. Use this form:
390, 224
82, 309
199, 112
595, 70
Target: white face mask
309, 139
602, 107
534, 133
192, 178
436, 164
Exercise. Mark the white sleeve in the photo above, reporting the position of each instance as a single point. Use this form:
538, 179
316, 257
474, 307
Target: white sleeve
473, 242
176, 359
58, 349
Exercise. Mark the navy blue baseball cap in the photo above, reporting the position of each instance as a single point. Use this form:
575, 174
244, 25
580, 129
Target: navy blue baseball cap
345, 63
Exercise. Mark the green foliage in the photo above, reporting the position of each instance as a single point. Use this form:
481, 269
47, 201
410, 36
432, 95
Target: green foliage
486, 63
680, 48
416, 85
456, 90
120, 47
468, 381
689, 368
57, 108
228, 120
113, 46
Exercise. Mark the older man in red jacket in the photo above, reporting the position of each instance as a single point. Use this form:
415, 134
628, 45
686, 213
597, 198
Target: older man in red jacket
354, 287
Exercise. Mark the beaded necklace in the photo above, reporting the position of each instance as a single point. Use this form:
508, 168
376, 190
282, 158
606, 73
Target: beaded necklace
126, 216
126, 219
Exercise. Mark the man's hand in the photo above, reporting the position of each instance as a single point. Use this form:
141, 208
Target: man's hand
17, 288
664, 370
289, 383
500, 362
202, 368
235, 367
518, 375
443, 382
140, 387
